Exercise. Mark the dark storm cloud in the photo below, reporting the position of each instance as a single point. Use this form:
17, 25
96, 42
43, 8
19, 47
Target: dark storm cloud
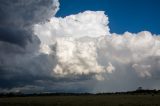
15, 35
25, 12
21, 64
18, 16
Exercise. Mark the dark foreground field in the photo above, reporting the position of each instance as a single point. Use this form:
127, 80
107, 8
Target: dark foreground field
83, 100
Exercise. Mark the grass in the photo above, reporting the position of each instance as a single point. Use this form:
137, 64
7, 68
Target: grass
83, 100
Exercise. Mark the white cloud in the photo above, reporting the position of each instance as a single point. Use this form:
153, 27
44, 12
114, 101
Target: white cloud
84, 45
74, 39
76, 57
139, 50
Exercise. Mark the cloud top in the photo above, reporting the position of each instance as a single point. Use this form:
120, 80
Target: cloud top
85, 24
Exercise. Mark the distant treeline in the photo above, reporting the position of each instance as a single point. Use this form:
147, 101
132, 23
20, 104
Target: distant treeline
136, 92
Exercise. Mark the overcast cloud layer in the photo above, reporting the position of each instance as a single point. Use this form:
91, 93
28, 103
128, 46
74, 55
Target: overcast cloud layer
77, 53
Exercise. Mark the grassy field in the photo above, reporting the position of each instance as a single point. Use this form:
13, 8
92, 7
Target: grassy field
90, 100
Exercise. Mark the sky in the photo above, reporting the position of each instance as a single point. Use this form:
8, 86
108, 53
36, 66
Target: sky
79, 45
124, 15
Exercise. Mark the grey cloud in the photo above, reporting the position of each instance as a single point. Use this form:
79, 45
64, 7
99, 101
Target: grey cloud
18, 16
18, 36
24, 13
21, 63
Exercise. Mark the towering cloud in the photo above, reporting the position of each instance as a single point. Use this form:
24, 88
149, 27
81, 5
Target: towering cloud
73, 39
40, 52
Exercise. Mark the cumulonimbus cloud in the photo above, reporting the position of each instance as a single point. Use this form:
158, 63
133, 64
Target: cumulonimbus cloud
47, 51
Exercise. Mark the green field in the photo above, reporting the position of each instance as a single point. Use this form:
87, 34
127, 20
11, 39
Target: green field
83, 100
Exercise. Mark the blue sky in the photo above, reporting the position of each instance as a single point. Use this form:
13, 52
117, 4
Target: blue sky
124, 15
